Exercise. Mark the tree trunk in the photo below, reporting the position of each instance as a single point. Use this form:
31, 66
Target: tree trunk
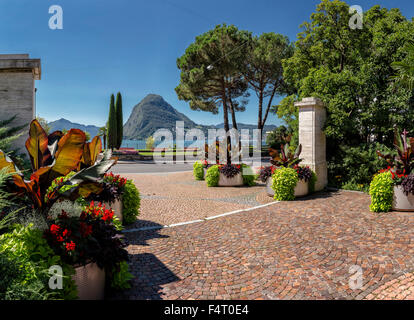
226, 119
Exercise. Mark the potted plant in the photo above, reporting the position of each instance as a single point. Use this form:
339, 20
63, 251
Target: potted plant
91, 244
401, 165
200, 169
287, 159
224, 175
111, 193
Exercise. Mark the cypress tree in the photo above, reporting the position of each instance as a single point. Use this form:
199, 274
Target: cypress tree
119, 120
112, 125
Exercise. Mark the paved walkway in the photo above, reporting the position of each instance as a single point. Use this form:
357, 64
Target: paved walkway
169, 198
290, 250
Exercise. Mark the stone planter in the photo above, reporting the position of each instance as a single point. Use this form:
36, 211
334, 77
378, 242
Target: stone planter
269, 190
301, 189
116, 206
401, 202
235, 181
90, 281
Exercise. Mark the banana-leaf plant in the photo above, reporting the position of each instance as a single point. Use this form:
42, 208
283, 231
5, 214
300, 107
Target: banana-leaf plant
53, 156
403, 162
285, 158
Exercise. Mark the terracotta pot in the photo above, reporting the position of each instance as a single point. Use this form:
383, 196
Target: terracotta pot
235, 181
301, 189
401, 202
116, 206
90, 280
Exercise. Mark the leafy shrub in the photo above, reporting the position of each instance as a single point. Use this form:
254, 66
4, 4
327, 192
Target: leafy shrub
32, 258
265, 173
355, 165
248, 175
284, 183
408, 184
229, 170
213, 176
381, 191
131, 202
91, 237
304, 173
312, 182
121, 277
198, 171
12, 286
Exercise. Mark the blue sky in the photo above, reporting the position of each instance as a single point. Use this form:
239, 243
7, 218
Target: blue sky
132, 46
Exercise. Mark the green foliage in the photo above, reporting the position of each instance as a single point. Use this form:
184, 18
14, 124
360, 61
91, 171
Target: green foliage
33, 257
355, 166
349, 70
149, 143
277, 137
284, 183
312, 182
211, 71
112, 125
121, 278
119, 120
131, 202
249, 176
198, 170
264, 71
381, 191
213, 176
405, 68
8, 135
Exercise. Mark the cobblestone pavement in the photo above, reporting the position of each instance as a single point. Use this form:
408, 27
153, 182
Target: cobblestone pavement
290, 250
178, 197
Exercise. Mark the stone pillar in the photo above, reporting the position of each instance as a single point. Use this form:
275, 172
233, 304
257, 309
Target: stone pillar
312, 116
17, 91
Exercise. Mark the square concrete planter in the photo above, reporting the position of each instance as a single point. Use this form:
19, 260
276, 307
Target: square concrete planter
90, 281
301, 189
116, 206
402, 202
235, 181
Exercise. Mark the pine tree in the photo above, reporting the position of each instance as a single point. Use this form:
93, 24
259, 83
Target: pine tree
119, 120
112, 125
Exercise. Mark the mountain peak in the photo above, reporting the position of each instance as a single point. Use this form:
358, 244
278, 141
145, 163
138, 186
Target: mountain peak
150, 114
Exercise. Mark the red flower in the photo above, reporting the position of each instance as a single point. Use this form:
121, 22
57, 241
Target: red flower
70, 246
66, 233
54, 229
59, 238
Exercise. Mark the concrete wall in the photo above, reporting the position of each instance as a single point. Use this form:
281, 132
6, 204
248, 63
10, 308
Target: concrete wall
17, 90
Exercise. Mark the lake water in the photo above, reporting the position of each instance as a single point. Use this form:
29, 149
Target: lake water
141, 144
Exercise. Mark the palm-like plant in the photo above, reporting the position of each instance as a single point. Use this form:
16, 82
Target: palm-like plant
403, 162
405, 68
285, 158
56, 155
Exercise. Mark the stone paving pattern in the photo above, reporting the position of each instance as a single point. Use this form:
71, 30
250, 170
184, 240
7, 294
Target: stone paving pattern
177, 197
290, 250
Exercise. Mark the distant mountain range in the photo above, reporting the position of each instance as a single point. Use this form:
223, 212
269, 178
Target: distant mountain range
63, 124
149, 115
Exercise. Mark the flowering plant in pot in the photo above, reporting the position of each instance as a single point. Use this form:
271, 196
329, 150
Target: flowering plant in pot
89, 240
401, 165
111, 193
288, 159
